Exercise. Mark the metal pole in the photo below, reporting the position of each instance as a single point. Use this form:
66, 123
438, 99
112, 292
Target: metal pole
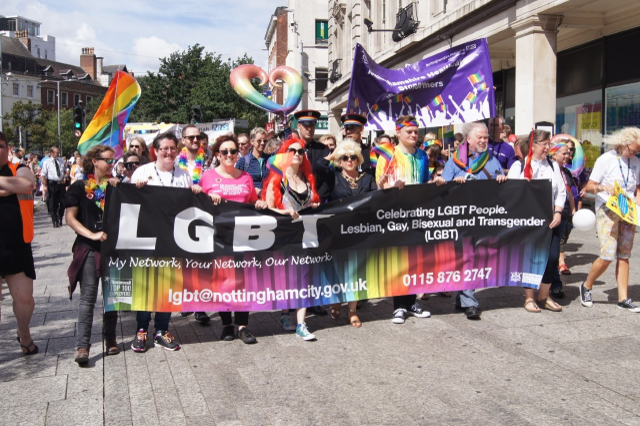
0, 83
59, 139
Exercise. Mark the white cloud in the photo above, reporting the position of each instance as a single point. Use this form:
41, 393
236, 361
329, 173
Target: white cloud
151, 49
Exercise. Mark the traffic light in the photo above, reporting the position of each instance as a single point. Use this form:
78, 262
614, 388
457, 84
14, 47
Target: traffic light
197, 115
78, 116
28, 138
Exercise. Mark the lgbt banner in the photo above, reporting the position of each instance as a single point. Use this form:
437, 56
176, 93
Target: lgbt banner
170, 250
453, 86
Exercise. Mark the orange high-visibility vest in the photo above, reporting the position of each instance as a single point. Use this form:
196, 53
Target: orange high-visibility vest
26, 208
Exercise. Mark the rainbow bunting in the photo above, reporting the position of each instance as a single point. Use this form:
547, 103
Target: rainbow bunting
437, 101
399, 97
482, 87
476, 78
471, 97
408, 99
107, 125
375, 108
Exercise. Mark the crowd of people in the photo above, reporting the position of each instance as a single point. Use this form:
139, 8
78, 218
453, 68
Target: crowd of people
235, 168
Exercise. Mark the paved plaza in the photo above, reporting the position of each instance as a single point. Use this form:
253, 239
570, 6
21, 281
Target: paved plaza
579, 367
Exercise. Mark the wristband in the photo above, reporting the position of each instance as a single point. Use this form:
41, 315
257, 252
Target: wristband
560, 213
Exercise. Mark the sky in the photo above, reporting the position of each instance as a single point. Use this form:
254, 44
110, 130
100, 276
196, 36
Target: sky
137, 33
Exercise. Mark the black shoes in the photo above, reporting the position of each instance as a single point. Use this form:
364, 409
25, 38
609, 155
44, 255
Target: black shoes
557, 293
202, 317
318, 310
228, 333
472, 313
246, 336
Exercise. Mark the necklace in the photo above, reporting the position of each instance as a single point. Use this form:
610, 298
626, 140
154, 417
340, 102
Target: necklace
196, 175
625, 179
353, 182
95, 190
173, 174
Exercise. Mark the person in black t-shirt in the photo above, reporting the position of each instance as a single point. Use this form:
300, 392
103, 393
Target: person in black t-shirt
84, 202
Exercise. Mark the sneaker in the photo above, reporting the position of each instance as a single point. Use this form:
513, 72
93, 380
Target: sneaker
585, 296
418, 312
286, 323
399, 316
139, 343
246, 336
164, 339
303, 332
202, 317
628, 305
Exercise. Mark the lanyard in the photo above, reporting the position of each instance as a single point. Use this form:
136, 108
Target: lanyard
626, 180
173, 172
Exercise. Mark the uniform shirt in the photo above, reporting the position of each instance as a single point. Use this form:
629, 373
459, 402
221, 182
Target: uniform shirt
49, 171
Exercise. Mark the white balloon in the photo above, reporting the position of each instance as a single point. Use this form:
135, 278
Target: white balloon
584, 220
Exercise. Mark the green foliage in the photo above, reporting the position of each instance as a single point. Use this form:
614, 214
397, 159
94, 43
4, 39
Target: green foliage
28, 117
189, 78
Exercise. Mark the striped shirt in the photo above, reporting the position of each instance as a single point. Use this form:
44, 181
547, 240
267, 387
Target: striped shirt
257, 168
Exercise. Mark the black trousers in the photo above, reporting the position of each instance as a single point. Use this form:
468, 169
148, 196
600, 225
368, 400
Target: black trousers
241, 318
404, 302
56, 207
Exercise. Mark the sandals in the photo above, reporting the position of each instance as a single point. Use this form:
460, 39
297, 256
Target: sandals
29, 351
550, 305
530, 306
353, 319
564, 270
422, 296
336, 311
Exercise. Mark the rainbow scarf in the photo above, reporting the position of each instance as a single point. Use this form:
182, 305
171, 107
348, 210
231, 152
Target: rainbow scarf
95, 191
197, 170
107, 125
461, 158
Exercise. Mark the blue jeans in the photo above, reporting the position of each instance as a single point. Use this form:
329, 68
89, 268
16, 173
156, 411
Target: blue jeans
88, 296
161, 320
467, 299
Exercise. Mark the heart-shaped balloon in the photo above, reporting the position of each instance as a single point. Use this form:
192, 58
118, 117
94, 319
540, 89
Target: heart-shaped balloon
240, 79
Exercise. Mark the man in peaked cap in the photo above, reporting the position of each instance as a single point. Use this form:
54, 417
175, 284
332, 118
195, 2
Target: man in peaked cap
353, 125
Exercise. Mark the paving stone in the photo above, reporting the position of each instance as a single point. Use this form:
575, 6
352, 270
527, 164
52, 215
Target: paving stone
33, 391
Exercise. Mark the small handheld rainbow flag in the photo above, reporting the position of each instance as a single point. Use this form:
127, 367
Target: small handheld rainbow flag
375, 108
476, 78
399, 97
278, 163
437, 101
384, 149
408, 99
482, 87
471, 97
356, 102
107, 125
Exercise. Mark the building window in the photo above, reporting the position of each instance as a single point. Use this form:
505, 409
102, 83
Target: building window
322, 79
581, 115
45, 53
51, 97
64, 99
322, 32
622, 106
29, 91
16, 89
38, 51
89, 99
76, 99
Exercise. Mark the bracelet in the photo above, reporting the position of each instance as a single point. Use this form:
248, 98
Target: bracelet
557, 213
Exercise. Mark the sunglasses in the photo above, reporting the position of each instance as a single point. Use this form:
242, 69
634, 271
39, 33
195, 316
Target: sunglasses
131, 165
349, 157
193, 138
296, 151
134, 146
109, 161
225, 152
168, 149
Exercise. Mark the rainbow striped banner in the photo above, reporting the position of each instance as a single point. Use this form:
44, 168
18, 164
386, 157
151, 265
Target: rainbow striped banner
170, 250
107, 125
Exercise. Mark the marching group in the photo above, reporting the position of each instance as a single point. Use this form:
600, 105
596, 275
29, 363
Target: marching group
234, 168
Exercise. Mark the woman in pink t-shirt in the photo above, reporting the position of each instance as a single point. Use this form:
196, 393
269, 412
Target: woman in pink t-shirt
227, 182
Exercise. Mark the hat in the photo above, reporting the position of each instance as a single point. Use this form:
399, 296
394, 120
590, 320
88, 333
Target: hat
307, 115
353, 119
16, 149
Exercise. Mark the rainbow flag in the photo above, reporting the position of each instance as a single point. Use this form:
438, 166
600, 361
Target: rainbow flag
356, 103
278, 163
408, 99
375, 108
399, 97
107, 125
471, 97
437, 101
373, 159
482, 87
476, 78
384, 149
443, 107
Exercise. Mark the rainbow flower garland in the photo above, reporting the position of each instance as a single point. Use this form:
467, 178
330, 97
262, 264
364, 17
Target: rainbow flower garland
197, 170
95, 191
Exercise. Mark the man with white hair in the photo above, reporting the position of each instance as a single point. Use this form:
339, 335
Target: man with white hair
472, 161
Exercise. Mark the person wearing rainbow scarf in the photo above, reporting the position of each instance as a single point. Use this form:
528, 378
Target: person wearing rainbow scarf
408, 165
191, 157
472, 161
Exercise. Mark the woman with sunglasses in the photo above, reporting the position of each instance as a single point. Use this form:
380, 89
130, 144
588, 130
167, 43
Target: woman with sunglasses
298, 194
131, 161
138, 144
618, 165
84, 202
346, 181
227, 182
536, 165
162, 172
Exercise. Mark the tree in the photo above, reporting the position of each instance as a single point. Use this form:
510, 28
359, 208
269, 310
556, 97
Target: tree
27, 117
189, 78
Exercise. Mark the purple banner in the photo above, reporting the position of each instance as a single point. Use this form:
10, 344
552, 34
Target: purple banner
453, 86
